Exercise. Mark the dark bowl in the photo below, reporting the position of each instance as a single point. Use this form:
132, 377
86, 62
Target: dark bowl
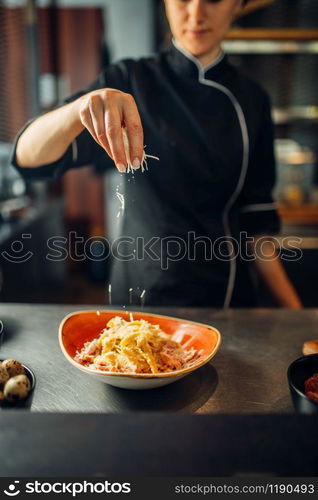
298, 372
23, 404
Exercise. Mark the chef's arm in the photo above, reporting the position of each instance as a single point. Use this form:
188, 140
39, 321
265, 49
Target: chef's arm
102, 112
272, 272
47, 138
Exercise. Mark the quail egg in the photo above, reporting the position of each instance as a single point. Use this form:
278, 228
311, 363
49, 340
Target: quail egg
4, 375
13, 367
17, 388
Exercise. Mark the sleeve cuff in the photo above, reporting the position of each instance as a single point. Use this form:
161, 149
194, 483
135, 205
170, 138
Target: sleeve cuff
51, 171
259, 219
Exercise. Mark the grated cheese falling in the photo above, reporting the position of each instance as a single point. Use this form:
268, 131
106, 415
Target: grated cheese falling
121, 199
130, 168
142, 298
144, 164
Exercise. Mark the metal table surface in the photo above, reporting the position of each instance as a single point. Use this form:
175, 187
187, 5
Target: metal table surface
99, 445
248, 374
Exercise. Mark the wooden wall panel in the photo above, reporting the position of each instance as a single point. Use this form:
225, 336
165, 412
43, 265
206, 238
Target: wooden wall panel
71, 41
14, 103
80, 36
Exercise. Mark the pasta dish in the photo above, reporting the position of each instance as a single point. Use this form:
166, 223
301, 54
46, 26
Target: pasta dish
135, 347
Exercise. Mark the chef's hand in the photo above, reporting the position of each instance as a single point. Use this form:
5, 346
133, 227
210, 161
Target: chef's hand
104, 112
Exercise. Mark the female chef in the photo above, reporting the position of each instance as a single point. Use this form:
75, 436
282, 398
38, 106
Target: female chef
197, 220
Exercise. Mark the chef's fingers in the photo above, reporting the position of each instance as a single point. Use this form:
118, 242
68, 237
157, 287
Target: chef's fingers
96, 109
134, 130
115, 137
87, 121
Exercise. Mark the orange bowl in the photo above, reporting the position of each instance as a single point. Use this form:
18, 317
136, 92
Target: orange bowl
83, 326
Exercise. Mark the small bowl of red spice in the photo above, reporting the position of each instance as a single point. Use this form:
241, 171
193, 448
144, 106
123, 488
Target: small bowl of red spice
303, 384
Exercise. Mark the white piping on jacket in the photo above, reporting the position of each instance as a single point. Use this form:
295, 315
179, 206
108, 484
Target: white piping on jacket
245, 159
256, 207
214, 63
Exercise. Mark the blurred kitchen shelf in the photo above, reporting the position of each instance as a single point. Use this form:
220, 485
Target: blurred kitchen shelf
241, 46
303, 236
302, 242
271, 41
291, 34
293, 114
253, 5
304, 214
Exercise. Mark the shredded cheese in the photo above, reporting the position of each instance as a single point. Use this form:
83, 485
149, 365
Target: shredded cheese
144, 164
135, 346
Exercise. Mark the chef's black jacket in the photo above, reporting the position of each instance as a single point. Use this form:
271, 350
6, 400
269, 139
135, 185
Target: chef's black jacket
213, 133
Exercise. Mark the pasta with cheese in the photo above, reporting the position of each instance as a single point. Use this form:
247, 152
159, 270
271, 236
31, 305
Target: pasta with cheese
135, 346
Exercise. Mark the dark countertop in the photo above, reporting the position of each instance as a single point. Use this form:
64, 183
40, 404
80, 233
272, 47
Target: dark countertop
248, 374
94, 445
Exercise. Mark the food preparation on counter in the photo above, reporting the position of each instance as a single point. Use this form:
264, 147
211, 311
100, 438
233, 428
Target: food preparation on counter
199, 188
163, 258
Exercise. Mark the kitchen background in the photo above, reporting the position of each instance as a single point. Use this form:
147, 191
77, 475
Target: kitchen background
50, 49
